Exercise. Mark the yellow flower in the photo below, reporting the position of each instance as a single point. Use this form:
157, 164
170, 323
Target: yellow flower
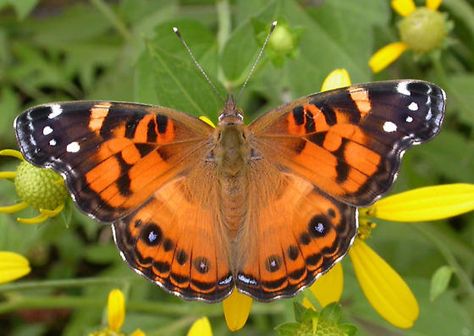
422, 29
115, 316
386, 291
12, 266
39, 188
201, 327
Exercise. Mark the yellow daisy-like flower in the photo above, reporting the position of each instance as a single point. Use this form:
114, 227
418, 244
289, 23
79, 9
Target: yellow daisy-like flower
12, 266
384, 288
115, 316
422, 29
39, 188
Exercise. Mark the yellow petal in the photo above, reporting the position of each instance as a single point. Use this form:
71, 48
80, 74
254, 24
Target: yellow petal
433, 4
328, 288
386, 56
236, 310
428, 203
116, 309
201, 327
207, 121
403, 7
386, 291
12, 153
12, 266
336, 79
14, 208
138, 332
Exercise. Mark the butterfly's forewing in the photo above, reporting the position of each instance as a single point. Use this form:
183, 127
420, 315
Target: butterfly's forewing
349, 142
113, 155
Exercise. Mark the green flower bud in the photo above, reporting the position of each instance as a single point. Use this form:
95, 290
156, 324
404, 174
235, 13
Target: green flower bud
40, 188
282, 40
423, 30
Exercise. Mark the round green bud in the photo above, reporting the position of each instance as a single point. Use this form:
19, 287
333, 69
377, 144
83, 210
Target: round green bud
282, 40
423, 30
39, 187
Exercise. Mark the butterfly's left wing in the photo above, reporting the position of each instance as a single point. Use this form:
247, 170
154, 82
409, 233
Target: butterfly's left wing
349, 142
113, 155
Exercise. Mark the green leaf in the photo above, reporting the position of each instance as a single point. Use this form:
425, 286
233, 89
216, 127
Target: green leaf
241, 48
331, 313
450, 155
288, 329
300, 311
22, 7
337, 34
460, 88
440, 281
177, 82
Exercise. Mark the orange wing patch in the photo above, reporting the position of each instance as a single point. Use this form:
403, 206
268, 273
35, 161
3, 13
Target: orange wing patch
175, 240
294, 239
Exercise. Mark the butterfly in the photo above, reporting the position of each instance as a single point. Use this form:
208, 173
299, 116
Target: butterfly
266, 208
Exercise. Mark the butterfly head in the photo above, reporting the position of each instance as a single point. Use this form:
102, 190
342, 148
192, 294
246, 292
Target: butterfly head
231, 114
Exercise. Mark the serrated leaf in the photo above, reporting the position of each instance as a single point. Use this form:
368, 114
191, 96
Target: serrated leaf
440, 281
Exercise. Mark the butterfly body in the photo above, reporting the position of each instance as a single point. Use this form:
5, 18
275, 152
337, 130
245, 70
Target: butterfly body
267, 207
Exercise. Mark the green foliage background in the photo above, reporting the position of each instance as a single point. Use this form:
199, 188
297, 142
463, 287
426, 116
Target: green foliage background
125, 50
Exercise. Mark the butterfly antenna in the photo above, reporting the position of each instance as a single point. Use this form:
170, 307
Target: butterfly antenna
196, 63
257, 59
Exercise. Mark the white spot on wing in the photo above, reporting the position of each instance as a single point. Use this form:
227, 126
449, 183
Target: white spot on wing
413, 106
409, 119
389, 127
56, 110
73, 147
402, 88
52, 142
47, 130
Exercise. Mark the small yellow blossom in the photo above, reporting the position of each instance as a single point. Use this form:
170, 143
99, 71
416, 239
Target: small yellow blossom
115, 316
116, 309
12, 266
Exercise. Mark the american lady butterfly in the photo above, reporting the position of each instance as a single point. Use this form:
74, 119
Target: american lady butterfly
266, 208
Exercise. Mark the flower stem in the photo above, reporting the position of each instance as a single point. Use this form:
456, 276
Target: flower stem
25, 285
109, 14
464, 279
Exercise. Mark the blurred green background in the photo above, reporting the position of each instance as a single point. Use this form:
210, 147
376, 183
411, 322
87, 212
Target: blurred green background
56, 50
